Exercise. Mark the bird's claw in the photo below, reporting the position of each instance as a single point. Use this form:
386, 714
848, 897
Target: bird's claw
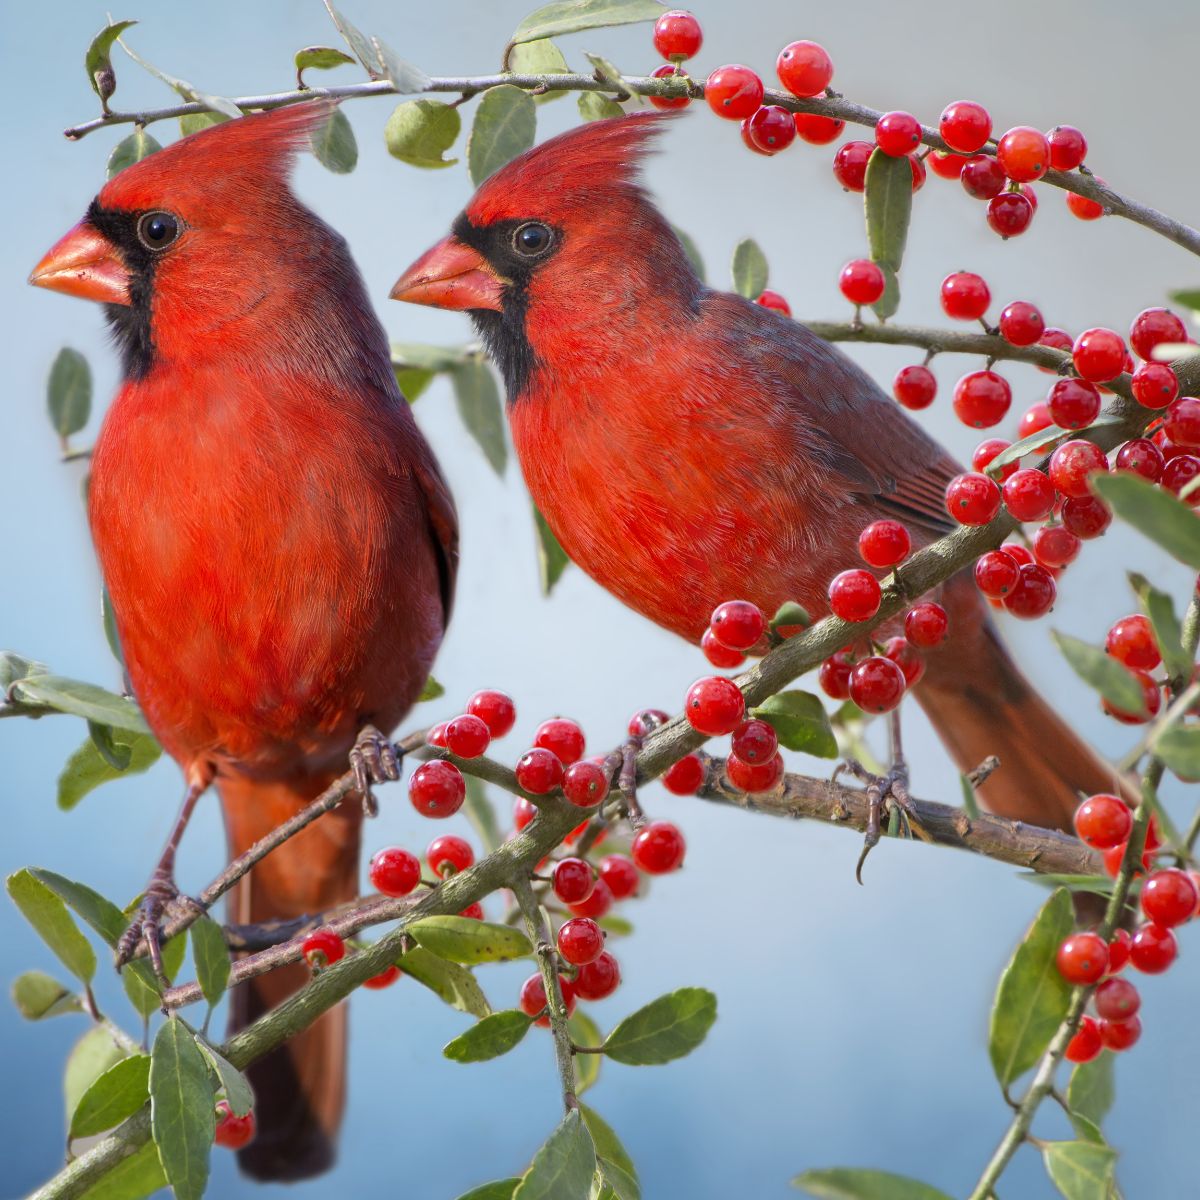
159, 900
885, 794
373, 759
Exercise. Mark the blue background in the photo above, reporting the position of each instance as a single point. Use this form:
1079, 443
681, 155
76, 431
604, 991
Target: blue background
852, 1020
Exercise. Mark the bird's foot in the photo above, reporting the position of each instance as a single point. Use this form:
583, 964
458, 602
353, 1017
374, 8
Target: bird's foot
621, 764
160, 901
373, 759
887, 795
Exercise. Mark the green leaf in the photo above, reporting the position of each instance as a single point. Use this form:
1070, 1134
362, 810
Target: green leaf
140, 983
563, 1168
216, 104
1168, 631
357, 41
1089, 1131
1092, 1090
402, 75
17, 666
430, 690
412, 382
801, 721
573, 16
320, 58
505, 125
38, 995
1042, 439
101, 914
87, 769
615, 1164
887, 203
1101, 671
619, 926
1188, 297
1032, 998
860, 1183
419, 132
465, 940
970, 801
1179, 748
232, 1082
489, 1038
585, 1032
454, 984
665, 1029
552, 558
692, 251
1154, 512
1080, 1170
790, 614
542, 57
69, 392
116, 1094
138, 145
749, 269
334, 145
49, 917
98, 61
479, 406
211, 956
108, 618
90, 1057
1099, 885
502, 1189
191, 123
428, 358
596, 106
115, 753
481, 814
182, 1113
82, 700
132, 1178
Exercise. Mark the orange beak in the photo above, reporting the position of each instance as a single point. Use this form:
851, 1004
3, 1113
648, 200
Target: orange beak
451, 275
84, 263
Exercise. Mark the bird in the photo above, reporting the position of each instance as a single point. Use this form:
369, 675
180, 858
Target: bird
274, 532
688, 447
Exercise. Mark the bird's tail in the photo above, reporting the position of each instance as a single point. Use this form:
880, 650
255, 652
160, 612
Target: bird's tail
300, 1088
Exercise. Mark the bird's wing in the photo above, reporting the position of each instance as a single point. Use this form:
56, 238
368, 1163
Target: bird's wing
443, 525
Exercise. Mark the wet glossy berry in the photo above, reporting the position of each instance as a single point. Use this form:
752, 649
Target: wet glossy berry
677, 35
561, 737
773, 300
897, 134
1118, 949
1083, 958
982, 399
1021, 323
1179, 472
1034, 594
585, 783
532, 998
436, 734
1120, 1035
573, 880
523, 813
1131, 641
738, 624
233, 1132
597, 904
1181, 422
467, 736
1140, 456
1153, 949
816, 129
804, 68
646, 720
1086, 517
965, 126
772, 129
714, 706
754, 777
1151, 700
1029, 494
861, 281
734, 92
1099, 355
884, 543
1169, 897
1072, 463
384, 979
854, 595
667, 102
580, 940
449, 854
985, 453
972, 499
539, 771
621, 875
876, 684
1103, 821
496, 710
914, 387
926, 624
1153, 326
685, 776
394, 872
755, 741
1024, 154
1117, 1000
1083, 207
850, 165
1055, 546
719, 655
1086, 1043
907, 657
437, 789
658, 848
946, 166
965, 296
598, 979
982, 177
1154, 385
1073, 403
322, 948
1009, 214
996, 574
1067, 147
834, 677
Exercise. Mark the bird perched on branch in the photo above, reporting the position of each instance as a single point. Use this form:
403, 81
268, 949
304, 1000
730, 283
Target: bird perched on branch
277, 540
688, 447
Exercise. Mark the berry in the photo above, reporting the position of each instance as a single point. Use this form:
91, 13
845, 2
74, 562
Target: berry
532, 998
620, 874
965, 126
862, 281
981, 399
467, 736
1029, 494
772, 129
539, 771
773, 300
816, 129
684, 777
1117, 999
1055, 546
1181, 422
914, 387
1153, 326
1086, 517
719, 655
946, 166
926, 624
1067, 147
906, 656
646, 721
1140, 456
667, 102
850, 165
573, 880
562, 738
755, 741
714, 705
585, 783
384, 979
1154, 385
854, 595
1169, 897
1009, 213
597, 904
972, 499
523, 813
1083, 208
598, 979
1179, 472
580, 940
436, 735
658, 848
1072, 463
1151, 700
804, 68
884, 543
473, 911
1086, 1043
1118, 949
876, 684
1131, 641
437, 789
834, 677
449, 854
982, 177
738, 624
754, 777
1083, 958
897, 133
987, 451
233, 1132
1153, 949
322, 948
1098, 355
394, 872
1055, 339
677, 35
1120, 1035
1103, 821
965, 296
496, 710
1021, 323
734, 92
1034, 594
1073, 403
1024, 154
996, 574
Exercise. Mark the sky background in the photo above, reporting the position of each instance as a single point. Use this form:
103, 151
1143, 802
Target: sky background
852, 1020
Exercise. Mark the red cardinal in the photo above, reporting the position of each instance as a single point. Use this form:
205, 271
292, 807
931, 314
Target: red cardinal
689, 447
277, 540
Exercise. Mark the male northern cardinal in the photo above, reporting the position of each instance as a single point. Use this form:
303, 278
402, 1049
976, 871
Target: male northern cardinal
274, 532
689, 447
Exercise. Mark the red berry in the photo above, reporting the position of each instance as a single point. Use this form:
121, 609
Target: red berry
816, 129
573, 880
738, 624
1153, 949
850, 165
804, 68
1034, 594
496, 710
965, 296
394, 872
946, 166
1117, 999
1055, 339
754, 777
1099, 355
982, 177
620, 874
1029, 494
1055, 546
677, 35
987, 451
1072, 463
585, 783
1086, 1043
926, 624
1118, 948
1024, 154
646, 721
597, 904
532, 998
233, 1132
1073, 403
1084, 208
1021, 323
667, 102
772, 129
715, 705
1169, 897
719, 655
965, 126
1179, 472
539, 771
684, 777
884, 543
1151, 698
658, 848
996, 574
1153, 326
562, 738
906, 656
1067, 147
436, 735
876, 684
862, 281
523, 813
981, 399
1083, 958
854, 595
897, 133
914, 387
384, 979
449, 854
1009, 213
1181, 422
1131, 641
580, 940
972, 499
1086, 517
755, 741
467, 736
437, 789
834, 677
734, 92
773, 300
322, 948
598, 979
1103, 821
1154, 385
1140, 456
1120, 1035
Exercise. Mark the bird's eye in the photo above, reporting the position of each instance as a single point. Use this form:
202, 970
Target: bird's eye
157, 230
532, 238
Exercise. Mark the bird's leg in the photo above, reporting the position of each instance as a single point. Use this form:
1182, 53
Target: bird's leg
373, 759
621, 766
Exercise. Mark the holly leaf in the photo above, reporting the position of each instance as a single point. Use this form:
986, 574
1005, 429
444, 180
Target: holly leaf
138, 145
211, 956
319, 58
1101, 671
801, 721
542, 57
494, 1035
1168, 630
1179, 748
749, 269
596, 106
501, 1189
139, 1175
90, 1057
191, 123
860, 1183
116, 1094
98, 60
38, 995
80, 699
182, 1113
1080, 1170
450, 982
665, 1029
552, 558
505, 125
465, 940
585, 1032
69, 392
479, 406
49, 917
419, 132
563, 1167
333, 144
887, 204
574, 16
1156, 513
1092, 1090
88, 768
614, 1162
232, 1082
